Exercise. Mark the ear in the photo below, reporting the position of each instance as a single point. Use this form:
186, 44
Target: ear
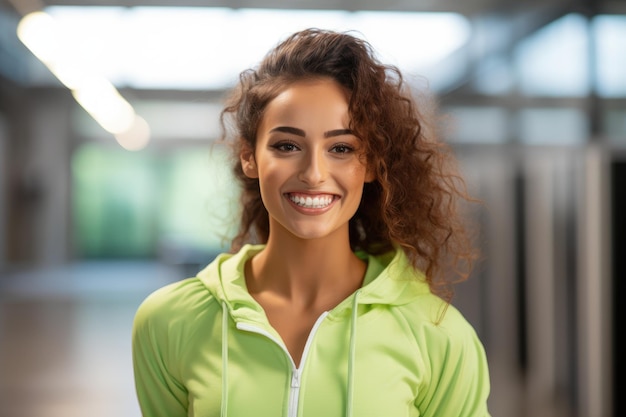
248, 163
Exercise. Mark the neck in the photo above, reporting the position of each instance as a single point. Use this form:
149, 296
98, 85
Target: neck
306, 272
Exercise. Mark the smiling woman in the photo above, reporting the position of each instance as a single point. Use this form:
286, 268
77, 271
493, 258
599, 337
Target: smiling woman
335, 298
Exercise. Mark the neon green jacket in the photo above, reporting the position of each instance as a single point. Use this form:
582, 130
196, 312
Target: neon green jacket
204, 347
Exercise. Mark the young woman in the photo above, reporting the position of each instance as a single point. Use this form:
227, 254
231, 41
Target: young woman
336, 299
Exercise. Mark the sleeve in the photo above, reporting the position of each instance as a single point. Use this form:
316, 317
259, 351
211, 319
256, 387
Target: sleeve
159, 393
459, 377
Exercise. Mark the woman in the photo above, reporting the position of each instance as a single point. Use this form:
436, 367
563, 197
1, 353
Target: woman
336, 298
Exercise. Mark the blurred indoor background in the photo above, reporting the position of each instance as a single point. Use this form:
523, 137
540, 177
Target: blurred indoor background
111, 185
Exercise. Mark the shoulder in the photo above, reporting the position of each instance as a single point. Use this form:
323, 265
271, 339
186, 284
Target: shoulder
441, 335
436, 323
183, 301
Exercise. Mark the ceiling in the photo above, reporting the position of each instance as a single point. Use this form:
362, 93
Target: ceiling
525, 17
466, 7
497, 24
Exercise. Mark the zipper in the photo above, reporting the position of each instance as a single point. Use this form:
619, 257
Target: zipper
296, 373
294, 393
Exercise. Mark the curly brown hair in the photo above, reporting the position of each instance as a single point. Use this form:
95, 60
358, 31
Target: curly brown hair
413, 203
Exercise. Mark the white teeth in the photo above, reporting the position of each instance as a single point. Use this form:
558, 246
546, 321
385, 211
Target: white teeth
312, 202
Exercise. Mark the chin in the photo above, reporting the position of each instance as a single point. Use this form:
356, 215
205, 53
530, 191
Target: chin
314, 233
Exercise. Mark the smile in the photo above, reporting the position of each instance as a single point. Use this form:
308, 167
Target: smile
311, 202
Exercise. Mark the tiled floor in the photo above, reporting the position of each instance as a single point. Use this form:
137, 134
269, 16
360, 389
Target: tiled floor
65, 338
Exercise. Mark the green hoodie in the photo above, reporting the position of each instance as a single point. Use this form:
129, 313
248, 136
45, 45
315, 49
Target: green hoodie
204, 347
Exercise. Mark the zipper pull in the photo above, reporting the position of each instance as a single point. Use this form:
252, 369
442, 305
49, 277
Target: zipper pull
295, 379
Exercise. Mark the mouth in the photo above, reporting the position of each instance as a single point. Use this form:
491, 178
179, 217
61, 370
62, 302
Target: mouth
311, 201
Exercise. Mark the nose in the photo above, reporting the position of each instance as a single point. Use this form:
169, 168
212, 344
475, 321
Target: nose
314, 168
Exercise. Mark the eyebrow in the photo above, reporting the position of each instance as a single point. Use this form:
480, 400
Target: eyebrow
300, 132
337, 132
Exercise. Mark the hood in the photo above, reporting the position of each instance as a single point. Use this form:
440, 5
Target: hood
389, 280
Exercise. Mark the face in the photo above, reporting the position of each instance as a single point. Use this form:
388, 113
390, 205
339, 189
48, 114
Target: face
309, 165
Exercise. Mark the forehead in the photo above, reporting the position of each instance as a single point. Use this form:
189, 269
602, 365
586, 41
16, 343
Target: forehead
307, 100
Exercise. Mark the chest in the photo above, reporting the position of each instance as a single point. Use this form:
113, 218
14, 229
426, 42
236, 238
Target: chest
263, 380
294, 329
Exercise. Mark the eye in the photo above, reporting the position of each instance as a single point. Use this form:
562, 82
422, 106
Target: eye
285, 146
342, 148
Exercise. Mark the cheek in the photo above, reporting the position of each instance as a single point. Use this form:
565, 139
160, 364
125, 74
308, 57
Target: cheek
358, 172
355, 177
270, 181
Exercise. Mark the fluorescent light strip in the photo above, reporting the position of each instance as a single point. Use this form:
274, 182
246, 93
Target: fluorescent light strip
98, 96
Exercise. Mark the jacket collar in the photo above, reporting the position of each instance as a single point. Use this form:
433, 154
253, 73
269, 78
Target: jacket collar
390, 280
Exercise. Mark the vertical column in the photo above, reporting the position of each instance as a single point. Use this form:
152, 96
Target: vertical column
540, 283
594, 299
4, 193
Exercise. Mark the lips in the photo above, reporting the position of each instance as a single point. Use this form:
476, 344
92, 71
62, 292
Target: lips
317, 201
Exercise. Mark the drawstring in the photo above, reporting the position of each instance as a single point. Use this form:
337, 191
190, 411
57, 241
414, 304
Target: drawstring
224, 412
351, 353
